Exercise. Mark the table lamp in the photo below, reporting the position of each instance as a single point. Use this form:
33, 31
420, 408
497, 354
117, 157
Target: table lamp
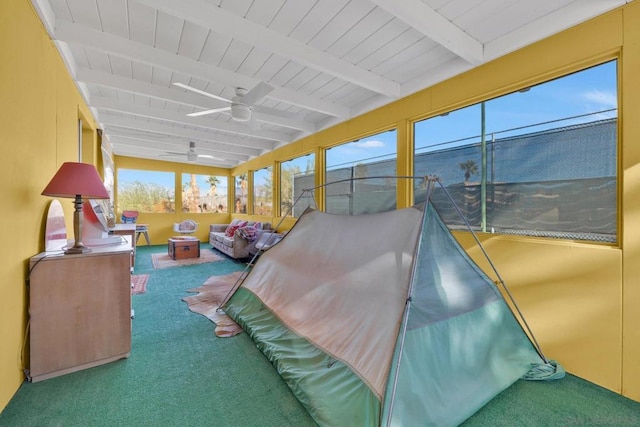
77, 181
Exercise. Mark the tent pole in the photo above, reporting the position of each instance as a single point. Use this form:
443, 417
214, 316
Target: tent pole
247, 267
483, 170
407, 307
495, 270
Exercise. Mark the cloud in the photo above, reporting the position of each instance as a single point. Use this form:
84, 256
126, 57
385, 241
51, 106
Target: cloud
605, 99
371, 143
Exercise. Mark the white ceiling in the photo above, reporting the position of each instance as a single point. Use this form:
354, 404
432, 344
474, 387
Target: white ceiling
327, 61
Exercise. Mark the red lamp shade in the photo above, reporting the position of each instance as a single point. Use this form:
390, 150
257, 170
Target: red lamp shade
74, 179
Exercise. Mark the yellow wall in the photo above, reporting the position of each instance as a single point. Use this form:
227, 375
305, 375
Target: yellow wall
39, 111
570, 295
161, 225
630, 170
580, 299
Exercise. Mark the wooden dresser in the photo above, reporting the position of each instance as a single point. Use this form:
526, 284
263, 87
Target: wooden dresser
127, 230
80, 310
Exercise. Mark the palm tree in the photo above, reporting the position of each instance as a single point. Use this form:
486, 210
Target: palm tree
470, 167
243, 181
191, 195
213, 183
213, 180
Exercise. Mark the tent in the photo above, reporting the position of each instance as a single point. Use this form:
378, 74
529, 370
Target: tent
382, 319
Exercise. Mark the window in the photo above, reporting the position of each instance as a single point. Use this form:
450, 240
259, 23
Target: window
241, 193
541, 161
108, 169
364, 172
146, 191
204, 193
262, 191
296, 175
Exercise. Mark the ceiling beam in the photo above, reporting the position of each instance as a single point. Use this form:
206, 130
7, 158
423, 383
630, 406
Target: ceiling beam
102, 103
138, 152
160, 143
453, 67
221, 21
263, 114
139, 87
224, 143
93, 39
549, 24
44, 10
155, 148
427, 21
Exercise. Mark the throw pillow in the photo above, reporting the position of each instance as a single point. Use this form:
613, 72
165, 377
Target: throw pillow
232, 228
249, 233
187, 225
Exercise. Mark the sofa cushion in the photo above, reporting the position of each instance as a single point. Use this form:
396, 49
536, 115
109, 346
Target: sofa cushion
227, 241
218, 237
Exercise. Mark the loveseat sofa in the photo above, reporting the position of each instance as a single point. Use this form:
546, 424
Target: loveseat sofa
237, 239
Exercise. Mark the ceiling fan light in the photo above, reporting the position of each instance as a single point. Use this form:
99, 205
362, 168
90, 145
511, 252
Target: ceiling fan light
240, 112
192, 156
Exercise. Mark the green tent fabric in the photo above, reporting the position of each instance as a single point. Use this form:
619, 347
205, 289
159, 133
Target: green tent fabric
381, 319
462, 345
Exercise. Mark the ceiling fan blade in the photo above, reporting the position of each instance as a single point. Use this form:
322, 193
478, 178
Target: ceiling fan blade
208, 156
253, 123
172, 153
261, 90
205, 112
201, 92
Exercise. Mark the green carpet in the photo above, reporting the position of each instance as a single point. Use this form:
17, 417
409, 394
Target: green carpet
180, 374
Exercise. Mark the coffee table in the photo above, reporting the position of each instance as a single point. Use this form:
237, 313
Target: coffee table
183, 247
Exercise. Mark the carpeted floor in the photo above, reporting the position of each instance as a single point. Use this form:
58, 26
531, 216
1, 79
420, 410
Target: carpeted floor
179, 373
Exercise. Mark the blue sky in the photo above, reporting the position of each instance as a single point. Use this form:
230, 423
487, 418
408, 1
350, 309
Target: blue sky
128, 176
377, 147
589, 91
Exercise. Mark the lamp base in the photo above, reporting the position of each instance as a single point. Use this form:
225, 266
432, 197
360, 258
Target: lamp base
80, 249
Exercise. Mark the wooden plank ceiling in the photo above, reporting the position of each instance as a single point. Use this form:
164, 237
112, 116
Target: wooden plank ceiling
314, 63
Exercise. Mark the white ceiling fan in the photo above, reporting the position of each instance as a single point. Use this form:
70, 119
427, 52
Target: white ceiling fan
192, 154
241, 103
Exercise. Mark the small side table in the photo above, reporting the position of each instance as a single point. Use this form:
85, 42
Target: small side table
142, 229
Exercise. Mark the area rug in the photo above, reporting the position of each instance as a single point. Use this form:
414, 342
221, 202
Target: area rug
160, 261
210, 295
139, 283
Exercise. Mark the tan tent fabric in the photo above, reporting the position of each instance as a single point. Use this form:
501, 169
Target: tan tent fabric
334, 285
